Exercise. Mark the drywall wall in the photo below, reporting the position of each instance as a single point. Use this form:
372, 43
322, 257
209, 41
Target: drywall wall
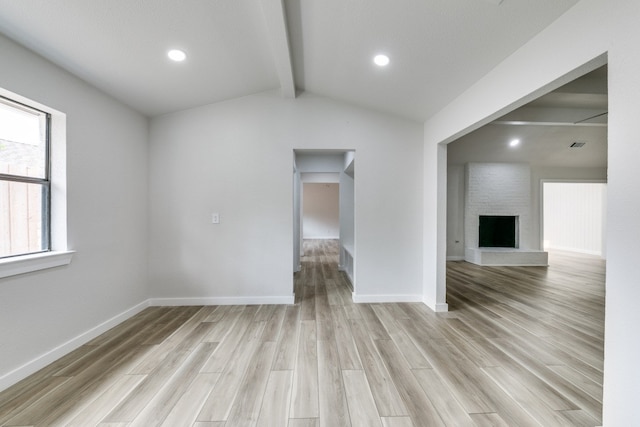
319, 161
590, 34
455, 212
234, 158
46, 313
297, 217
320, 210
434, 232
347, 224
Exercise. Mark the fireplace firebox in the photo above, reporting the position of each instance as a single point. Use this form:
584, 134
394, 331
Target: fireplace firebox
498, 231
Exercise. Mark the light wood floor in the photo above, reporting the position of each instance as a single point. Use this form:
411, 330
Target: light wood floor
519, 347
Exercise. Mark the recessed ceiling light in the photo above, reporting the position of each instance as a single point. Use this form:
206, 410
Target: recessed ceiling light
514, 142
177, 55
381, 60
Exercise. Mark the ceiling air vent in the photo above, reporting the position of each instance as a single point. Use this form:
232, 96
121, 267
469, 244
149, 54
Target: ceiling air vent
577, 145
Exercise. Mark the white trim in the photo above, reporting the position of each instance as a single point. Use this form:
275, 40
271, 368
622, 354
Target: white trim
508, 265
455, 258
172, 302
321, 237
27, 263
29, 368
56, 353
59, 255
385, 298
574, 250
438, 307
441, 307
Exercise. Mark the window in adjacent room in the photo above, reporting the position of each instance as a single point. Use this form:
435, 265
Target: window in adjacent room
25, 185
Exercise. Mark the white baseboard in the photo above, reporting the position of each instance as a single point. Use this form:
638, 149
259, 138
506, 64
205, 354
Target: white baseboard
385, 298
321, 238
51, 356
455, 258
575, 250
440, 307
166, 302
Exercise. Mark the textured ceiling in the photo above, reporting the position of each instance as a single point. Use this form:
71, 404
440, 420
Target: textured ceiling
438, 48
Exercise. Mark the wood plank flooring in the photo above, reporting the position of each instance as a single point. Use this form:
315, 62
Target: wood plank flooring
520, 346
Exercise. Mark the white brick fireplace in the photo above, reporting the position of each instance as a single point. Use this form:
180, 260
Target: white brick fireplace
500, 189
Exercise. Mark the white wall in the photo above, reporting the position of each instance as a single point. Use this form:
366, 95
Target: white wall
234, 158
455, 212
47, 313
319, 162
574, 216
347, 216
320, 177
297, 217
321, 211
574, 44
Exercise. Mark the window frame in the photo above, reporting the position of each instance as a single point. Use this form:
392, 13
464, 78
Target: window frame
57, 253
45, 182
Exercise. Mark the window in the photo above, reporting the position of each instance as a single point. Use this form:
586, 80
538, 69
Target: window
33, 186
24, 179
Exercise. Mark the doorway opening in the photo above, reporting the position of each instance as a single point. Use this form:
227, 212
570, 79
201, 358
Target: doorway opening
561, 140
562, 137
324, 204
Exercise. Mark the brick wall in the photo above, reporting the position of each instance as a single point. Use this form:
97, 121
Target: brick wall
498, 189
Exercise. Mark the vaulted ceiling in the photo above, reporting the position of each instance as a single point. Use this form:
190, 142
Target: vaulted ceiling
437, 48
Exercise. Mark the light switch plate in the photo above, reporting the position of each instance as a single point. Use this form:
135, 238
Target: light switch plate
215, 218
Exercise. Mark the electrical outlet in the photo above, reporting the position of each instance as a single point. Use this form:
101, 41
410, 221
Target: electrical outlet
215, 218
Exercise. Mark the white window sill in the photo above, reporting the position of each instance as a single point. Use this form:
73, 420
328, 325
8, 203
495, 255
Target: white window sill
34, 262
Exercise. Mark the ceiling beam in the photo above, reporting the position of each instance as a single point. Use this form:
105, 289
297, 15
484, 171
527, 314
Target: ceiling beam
275, 18
555, 116
534, 123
